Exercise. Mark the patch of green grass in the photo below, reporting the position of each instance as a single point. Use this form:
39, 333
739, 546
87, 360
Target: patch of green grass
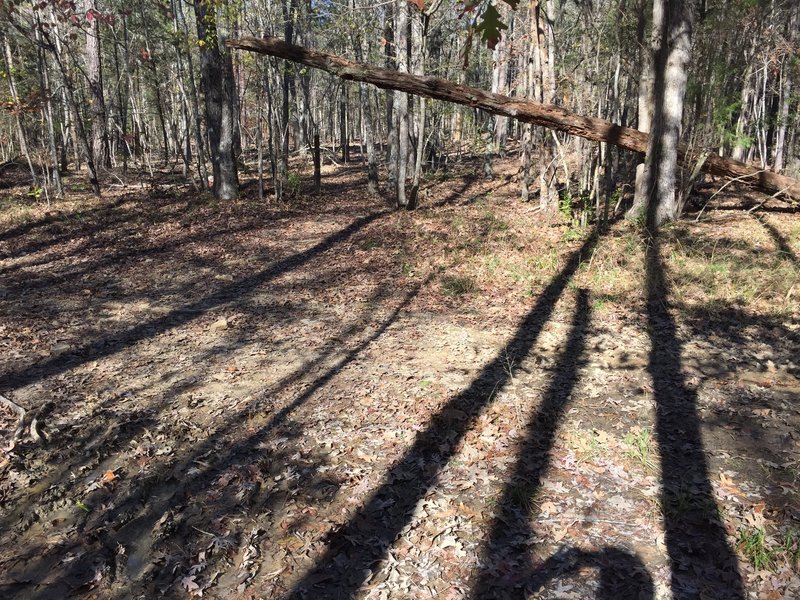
790, 547
492, 263
753, 544
406, 268
547, 262
640, 448
767, 552
371, 305
718, 267
573, 234
457, 222
458, 285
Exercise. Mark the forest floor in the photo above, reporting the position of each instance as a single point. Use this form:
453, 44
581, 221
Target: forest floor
333, 399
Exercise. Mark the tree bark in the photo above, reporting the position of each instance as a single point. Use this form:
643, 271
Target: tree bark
12, 86
53, 45
419, 45
548, 194
672, 25
218, 88
786, 95
200, 150
44, 83
369, 127
527, 111
401, 104
97, 103
645, 101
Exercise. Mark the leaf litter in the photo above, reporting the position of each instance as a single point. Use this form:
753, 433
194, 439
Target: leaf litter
224, 388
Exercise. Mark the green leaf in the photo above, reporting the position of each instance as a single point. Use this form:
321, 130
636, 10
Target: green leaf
490, 26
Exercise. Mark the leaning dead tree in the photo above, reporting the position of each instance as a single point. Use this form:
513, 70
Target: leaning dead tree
527, 111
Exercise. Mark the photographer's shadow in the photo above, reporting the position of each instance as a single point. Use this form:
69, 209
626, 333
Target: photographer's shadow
621, 574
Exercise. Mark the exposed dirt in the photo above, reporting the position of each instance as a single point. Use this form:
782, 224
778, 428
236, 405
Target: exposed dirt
336, 400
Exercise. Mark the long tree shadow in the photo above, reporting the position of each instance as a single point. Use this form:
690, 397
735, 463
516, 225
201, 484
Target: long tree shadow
784, 248
507, 570
179, 316
25, 228
703, 564
507, 560
355, 547
132, 517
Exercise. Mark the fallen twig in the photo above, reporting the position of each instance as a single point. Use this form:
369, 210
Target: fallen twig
759, 205
21, 414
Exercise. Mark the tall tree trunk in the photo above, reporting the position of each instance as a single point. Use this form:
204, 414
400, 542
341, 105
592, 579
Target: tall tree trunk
121, 117
344, 142
748, 94
94, 73
53, 44
533, 90
401, 104
674, 20
391, 96
419, 45
369, 125
645, 108
544, 43
218, 88
200, 149
500, 56
44, 83
12, 85
150, 62
786, 95
287, 84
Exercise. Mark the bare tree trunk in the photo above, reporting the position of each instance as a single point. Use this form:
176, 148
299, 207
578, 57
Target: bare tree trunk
500, 57
548, 195
369, 127
44, 83
419, 45
218, 88
748, 94
646, 100
68, 87
674, 20
391, 125
401, 103
786, 97
12, 85
200, 149
533, 89
94, 73
344, 142
287, 84
150, 62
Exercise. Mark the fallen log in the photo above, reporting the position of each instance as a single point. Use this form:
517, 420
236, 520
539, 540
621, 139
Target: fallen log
528, 111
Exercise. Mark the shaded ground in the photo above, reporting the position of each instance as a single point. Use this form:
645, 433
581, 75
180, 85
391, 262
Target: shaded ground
336, 400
